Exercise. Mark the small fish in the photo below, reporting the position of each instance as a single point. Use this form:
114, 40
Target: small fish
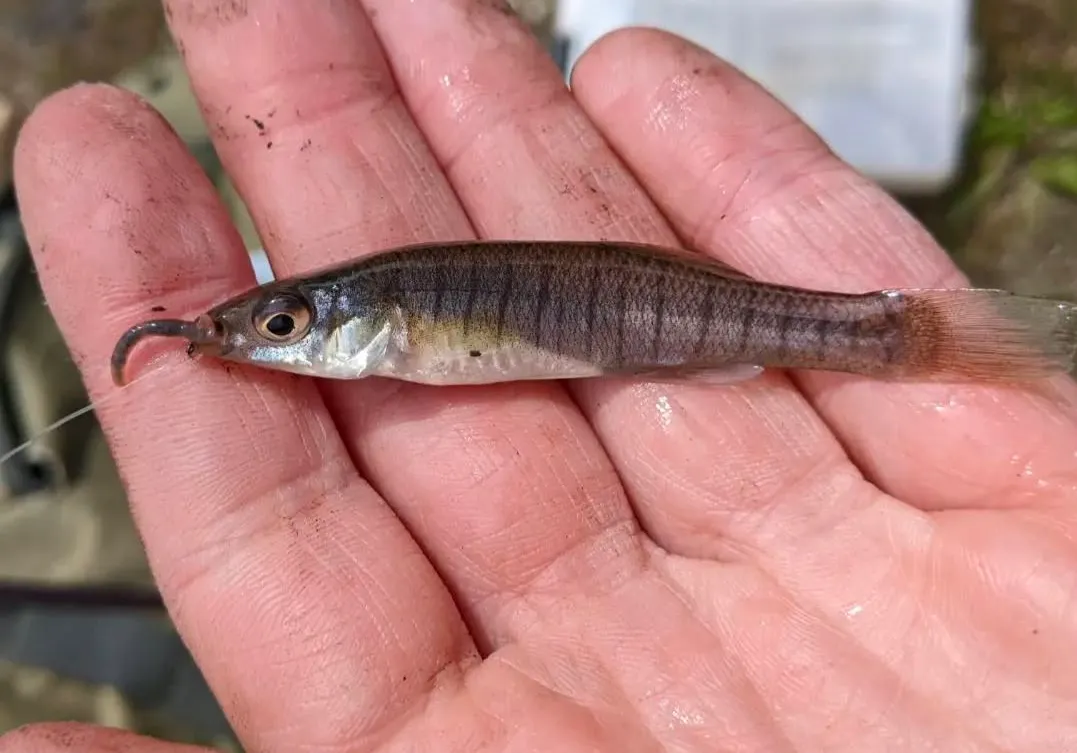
481, 312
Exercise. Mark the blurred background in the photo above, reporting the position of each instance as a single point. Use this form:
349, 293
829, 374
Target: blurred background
965, 109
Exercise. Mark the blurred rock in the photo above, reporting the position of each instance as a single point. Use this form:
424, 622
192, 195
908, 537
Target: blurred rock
46, 45
1012, 221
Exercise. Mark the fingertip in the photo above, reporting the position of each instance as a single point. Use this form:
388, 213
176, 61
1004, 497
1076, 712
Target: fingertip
83, 116
605, 55
99, 169
656, 83
611, 65
76, 144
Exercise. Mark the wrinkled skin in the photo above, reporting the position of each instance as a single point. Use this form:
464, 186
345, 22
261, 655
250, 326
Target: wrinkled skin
806, 562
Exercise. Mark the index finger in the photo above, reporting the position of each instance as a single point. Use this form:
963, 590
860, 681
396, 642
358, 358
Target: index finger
286, 575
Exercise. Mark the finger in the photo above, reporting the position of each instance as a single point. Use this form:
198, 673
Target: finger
753, 185
884, 574
528, 163
497, 483
60, 737
285, 574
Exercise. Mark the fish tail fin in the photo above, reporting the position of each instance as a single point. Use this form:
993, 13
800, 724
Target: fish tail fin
986, 335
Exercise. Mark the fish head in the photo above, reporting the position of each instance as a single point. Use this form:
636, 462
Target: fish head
304, 329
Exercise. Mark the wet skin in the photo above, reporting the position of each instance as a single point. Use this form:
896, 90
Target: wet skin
799, 562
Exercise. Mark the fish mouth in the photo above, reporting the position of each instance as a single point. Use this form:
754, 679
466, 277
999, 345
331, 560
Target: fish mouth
211, 339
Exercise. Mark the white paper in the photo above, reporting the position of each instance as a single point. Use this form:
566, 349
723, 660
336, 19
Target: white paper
883, 82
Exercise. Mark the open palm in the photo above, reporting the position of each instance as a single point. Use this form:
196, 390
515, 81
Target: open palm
806, 562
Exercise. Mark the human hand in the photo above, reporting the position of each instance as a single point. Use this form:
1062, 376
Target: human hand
801, 562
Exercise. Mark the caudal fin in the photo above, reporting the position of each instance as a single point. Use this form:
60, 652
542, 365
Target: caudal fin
987, 335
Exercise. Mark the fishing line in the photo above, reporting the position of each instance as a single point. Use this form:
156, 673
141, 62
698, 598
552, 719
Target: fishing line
45, 432
88, 408
20, 594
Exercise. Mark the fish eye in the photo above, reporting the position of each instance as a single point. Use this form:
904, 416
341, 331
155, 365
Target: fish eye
282, 318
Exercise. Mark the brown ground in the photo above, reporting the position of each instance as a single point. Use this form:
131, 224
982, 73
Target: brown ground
1012, 220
